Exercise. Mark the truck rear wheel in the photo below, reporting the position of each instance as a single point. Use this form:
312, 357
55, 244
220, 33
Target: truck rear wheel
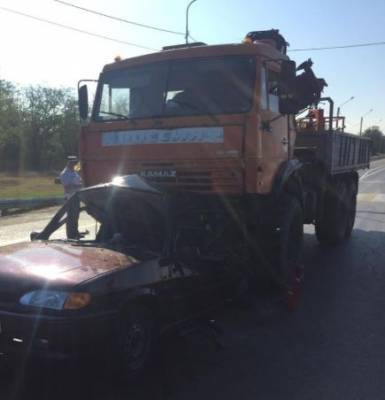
282, 248
352, 204
336, 222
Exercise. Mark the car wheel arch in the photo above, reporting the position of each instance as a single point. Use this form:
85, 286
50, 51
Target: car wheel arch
140, 298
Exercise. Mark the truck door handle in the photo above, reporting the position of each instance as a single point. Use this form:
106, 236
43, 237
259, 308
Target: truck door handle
285, 141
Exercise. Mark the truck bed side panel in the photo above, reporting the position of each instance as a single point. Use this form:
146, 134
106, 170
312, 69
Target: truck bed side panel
339, 152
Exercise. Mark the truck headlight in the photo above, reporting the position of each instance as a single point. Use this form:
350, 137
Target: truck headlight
55, 299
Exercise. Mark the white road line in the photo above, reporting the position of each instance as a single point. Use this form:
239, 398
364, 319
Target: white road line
365, 174
371, 172
365, 197
371, 197
380, 197
374, 182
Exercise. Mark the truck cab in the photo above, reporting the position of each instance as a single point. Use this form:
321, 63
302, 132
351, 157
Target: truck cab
205, 118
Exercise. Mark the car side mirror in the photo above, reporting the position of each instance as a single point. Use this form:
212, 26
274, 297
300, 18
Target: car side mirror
83, 102
34, 236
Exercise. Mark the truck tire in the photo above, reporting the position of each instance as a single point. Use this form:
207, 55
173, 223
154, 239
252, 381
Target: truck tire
282, 248
334, 225
352, 204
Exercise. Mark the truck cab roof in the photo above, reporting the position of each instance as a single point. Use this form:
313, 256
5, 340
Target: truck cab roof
260, 48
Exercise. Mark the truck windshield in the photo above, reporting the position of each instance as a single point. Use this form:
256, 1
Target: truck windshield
215, 85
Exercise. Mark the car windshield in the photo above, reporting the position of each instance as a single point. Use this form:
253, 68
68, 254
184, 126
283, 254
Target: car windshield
215, 85
109, 216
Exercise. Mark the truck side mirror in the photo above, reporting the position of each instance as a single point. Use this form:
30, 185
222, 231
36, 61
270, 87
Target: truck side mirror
287, 79
288, 73
83, 102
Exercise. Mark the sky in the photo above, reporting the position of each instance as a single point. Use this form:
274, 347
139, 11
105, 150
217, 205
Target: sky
33, 52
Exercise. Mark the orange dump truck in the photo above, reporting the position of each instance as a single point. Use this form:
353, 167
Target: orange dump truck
235, 122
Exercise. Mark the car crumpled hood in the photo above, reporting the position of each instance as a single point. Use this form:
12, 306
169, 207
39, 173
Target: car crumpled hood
55, 264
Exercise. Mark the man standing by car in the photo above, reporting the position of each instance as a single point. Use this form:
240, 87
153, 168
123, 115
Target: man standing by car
69, 178
71, 182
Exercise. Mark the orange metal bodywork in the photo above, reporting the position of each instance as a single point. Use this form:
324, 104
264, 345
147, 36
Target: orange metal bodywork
245, 162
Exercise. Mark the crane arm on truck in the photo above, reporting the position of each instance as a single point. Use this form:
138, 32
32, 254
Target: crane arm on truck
308, 86
298, 92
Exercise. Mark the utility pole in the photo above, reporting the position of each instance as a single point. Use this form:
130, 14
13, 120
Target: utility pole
362, 120
339, 109
187, 34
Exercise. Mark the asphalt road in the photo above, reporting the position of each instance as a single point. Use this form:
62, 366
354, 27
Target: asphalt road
332, 347
17, 228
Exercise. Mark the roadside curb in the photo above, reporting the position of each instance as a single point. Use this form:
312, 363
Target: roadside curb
20, 205
378, 157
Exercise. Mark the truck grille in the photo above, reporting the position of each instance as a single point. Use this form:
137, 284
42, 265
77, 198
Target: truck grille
186, 180
207, 176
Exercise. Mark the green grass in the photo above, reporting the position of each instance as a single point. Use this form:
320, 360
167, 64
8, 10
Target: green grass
29, 185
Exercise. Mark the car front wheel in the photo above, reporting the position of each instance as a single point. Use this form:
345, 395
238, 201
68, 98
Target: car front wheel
135, 344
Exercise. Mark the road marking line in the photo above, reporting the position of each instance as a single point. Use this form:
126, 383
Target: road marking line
365, 174
380, 197
372, 182
366, 196
371, 172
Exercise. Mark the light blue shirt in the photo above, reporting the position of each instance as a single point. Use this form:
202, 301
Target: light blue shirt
71, 181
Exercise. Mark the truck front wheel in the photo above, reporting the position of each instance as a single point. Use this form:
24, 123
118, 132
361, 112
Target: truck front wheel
282, 245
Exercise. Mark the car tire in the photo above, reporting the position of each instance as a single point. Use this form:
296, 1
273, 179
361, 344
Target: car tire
333, 226
135, 342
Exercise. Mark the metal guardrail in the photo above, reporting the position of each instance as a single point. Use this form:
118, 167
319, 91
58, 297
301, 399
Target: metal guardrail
30, 203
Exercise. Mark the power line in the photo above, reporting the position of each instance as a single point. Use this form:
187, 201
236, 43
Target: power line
118, 18
195, 40
334, 47
71, 28
348, 46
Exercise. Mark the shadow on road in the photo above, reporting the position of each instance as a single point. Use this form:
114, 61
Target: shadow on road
332, 347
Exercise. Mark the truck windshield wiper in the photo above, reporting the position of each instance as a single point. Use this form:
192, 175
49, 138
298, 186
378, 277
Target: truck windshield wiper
197, 108
121, 116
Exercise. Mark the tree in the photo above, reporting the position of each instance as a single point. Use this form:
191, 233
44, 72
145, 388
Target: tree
11, 126
51, 126
39, 126
378, 139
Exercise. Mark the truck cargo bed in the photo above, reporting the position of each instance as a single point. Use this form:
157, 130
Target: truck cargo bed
339, 151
